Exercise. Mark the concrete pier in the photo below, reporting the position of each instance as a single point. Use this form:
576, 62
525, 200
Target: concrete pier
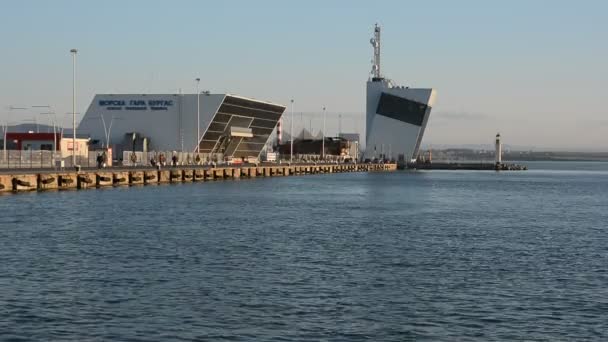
5, 183
67, 181
164, 176
188, 175
103, 179
136, 177
25, 182
49, 181
151, 177
85, 181
175, 176
22, 180
120, 178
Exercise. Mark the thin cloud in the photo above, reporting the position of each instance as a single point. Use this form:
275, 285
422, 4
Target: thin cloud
460, 116
601, 122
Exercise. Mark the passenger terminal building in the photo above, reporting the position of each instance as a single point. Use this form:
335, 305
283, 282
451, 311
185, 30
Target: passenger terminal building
234, 126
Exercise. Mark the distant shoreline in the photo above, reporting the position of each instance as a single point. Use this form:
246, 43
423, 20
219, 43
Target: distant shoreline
566, 159
460, 154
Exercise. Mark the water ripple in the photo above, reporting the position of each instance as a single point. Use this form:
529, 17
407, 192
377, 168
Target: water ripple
351, 257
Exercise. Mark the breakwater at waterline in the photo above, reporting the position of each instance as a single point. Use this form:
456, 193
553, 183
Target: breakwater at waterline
13, 181
471, 166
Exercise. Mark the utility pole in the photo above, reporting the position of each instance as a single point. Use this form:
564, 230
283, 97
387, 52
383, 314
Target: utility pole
198, 116
323, 142
291, 134
74, 51
5, 128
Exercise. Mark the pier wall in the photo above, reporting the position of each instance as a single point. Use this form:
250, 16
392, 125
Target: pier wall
21, 180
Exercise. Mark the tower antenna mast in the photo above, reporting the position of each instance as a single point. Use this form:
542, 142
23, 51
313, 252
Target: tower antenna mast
375, 41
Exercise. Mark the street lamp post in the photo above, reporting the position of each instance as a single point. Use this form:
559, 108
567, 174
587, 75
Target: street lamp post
107, 130
5, 133
291, 134
4, 128
73, 52
198, 116
323, 142
109, 134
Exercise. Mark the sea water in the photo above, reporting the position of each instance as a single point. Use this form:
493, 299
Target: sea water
433, 255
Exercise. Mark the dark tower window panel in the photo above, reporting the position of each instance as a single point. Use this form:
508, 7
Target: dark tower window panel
401, 109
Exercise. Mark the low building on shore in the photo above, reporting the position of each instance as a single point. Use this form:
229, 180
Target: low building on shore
336, 148
30, 141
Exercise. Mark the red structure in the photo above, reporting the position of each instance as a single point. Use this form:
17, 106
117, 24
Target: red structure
33, 141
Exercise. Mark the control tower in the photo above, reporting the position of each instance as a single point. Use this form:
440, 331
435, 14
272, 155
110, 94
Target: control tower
396, 116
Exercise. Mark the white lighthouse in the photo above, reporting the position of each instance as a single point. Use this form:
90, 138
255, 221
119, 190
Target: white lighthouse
498, 151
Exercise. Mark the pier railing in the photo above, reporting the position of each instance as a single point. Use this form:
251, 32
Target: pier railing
131, 158
42, 159
28, 159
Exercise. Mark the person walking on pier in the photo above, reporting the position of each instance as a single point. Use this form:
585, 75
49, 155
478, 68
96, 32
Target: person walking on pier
99, 160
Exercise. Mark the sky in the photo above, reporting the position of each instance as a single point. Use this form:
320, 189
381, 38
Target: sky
535, 71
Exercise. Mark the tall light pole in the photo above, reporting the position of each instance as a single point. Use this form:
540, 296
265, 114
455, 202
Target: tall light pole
198, 116
73, 52
4, 128
291, 133
323, 142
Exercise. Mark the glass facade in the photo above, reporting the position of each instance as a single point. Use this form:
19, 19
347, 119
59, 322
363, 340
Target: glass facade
260, 117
